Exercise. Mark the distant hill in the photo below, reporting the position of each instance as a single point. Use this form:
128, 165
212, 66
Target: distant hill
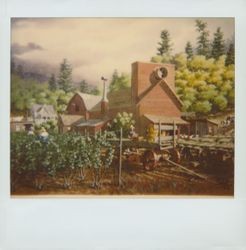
38, 71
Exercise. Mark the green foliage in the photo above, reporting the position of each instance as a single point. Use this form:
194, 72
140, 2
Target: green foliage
84, 87
180, 60
203, 46
65, 76
165, 46
162, 59
230, 56
218, 45
189, 50
201, 107
123, 120
52, 83
204, 85
63, 153
119, 82
25, 93
220, 102
50, 126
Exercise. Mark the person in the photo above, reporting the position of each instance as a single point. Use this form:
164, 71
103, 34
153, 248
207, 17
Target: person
43, 134
132, 132
30, 131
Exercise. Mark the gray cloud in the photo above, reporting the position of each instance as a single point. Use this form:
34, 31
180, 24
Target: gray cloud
97, 46
17, 49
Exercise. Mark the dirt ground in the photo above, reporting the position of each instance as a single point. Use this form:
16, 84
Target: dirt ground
163, 180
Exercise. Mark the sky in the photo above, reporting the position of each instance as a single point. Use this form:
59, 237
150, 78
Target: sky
95, 47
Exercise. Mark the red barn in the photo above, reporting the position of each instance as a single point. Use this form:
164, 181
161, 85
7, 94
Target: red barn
151, 99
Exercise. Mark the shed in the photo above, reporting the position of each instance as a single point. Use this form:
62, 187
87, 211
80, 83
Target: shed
20, 123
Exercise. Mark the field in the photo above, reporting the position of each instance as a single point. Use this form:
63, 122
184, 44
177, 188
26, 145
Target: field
164, 180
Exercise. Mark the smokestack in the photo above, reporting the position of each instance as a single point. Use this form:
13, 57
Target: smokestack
104, 102
104, 98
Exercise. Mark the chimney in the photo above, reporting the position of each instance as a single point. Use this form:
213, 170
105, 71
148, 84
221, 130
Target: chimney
104, 102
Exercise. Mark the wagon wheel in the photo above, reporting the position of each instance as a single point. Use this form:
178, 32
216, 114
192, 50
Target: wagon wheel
186, 154
175, 155
149, 160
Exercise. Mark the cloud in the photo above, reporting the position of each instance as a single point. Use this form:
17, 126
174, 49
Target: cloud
17, 49
97, 46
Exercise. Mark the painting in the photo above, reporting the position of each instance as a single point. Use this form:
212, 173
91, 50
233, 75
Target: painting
122, 106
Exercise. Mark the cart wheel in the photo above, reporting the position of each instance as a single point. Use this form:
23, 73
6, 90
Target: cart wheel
175, 155
149, 160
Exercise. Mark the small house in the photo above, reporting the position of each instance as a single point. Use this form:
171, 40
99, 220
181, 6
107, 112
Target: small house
20, 123
42, 113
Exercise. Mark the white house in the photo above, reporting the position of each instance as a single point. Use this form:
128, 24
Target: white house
42, 113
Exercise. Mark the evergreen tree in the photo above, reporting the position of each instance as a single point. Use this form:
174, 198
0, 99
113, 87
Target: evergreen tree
65, 76
114, 80
218, 45
165, 44
230, 56
203, 46
95, 91
84, 87
119, 82
189, 50
52, 83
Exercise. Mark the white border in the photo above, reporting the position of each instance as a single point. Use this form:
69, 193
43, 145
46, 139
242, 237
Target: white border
123, 223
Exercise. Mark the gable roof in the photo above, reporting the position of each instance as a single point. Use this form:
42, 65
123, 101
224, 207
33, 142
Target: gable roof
92, 102
36, 108
165, 119
152, 86
120, 98
68, 120
91, 123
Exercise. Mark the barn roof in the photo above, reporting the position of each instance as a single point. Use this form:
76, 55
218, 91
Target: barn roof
90, 123
69, 120
171, 90
165, 119
120, 98
92, 102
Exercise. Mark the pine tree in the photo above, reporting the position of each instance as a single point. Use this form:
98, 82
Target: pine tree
84, 87
165, 44
189, 50
114, 80
230, 56
218, 45
65, 76
52, 83
94, 90
203, 46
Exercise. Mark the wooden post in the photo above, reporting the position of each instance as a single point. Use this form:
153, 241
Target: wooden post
189, 131
159, 133
174, 135
195, 128
120, 157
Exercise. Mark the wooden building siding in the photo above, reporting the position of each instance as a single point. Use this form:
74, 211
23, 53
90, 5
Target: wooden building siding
141, 73
76, 106
152, 98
